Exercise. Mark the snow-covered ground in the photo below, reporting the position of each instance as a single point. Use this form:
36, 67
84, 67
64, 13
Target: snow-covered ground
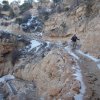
34, 44
78, 75
90, 57
68, 49
79, 78
71, 53
6, 78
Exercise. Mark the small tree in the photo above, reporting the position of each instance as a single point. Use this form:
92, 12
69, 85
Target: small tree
11, 13
29, 1
0, 8
57, 1
43, 1
25, 6
27, 15
5, 2
89, 4
15, 56
19, 21
6, 6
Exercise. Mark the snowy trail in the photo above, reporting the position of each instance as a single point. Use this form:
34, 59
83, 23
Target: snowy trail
97, 61
83, 87
88, 56
71, 53
78, 75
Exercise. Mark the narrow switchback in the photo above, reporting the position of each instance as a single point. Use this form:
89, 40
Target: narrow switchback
78, 75
97, 61
88, 67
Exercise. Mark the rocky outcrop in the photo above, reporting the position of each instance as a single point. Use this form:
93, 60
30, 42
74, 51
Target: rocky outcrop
53, 76
56, 26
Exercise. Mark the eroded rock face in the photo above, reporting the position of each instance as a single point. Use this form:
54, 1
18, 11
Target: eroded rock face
56, 26
8, 44
53, 76
91, 39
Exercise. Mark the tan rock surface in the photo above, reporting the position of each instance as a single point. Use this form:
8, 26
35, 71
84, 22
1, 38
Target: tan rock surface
52, 74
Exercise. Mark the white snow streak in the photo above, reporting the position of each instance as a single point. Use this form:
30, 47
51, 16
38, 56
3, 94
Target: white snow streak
98, 65
83, 87
6, 78
90, 57
71, 53
78, 76
34, 44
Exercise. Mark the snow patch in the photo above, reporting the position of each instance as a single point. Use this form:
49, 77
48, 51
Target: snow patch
88, 56
48, 44
6, 78
83, 87
41, 34
71, 53
34, 44
78, 76
98, 65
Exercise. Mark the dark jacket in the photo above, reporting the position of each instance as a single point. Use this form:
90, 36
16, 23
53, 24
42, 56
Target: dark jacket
74, 38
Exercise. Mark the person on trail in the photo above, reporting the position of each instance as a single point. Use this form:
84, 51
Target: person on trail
74, 40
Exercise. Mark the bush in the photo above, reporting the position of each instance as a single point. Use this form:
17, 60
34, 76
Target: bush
43, 13
12, 15
89, 4
19, 21
56, 1
6, 8
15, 56
5, 2
27, 15
24, 7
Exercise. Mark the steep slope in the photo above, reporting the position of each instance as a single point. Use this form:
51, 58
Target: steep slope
54, 76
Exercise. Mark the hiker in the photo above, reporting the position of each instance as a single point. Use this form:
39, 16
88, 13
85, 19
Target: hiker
74, 41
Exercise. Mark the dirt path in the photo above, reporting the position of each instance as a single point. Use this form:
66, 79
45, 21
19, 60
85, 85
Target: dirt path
91, 74
90, 70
